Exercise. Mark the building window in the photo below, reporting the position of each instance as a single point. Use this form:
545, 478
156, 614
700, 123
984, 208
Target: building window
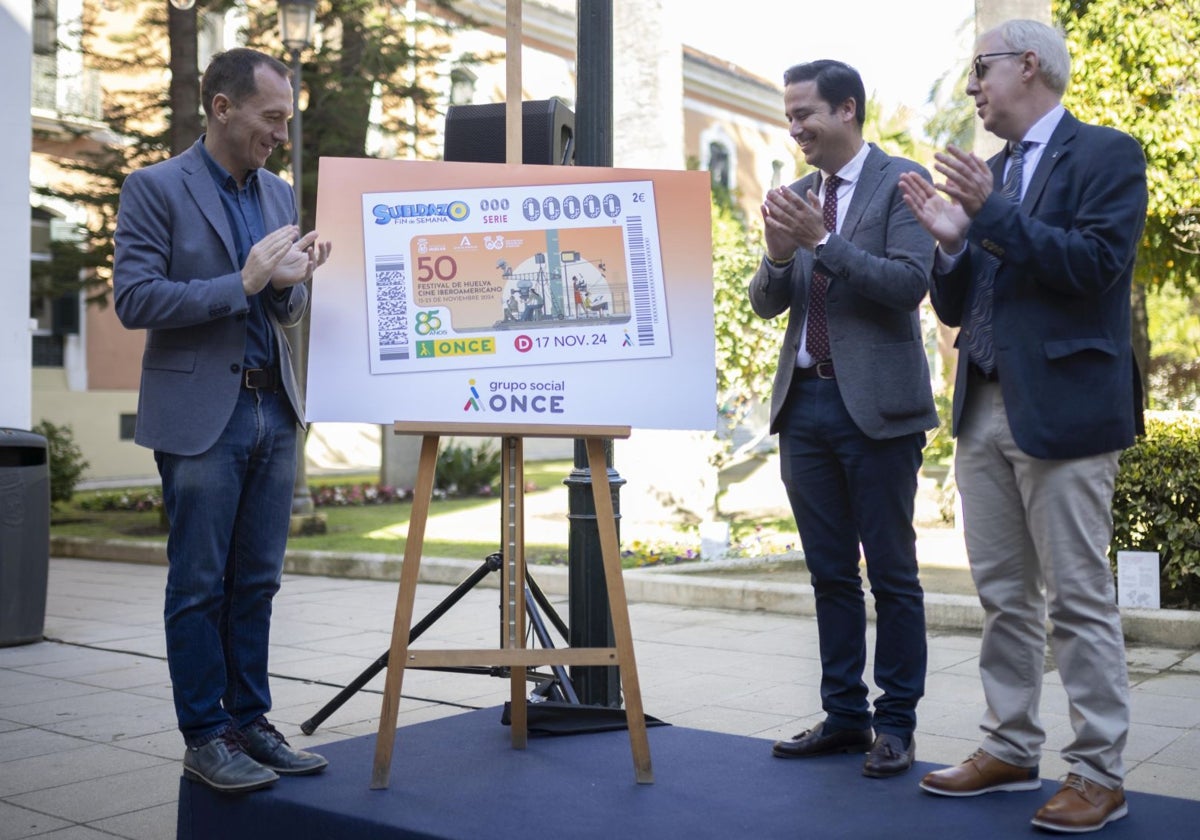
719, 156
47, 351
55, 313
45, 27
718, 164
128, 425
41, 304
211, 35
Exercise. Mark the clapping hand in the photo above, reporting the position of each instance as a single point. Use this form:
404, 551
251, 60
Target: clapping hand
304, 256
945, 220
969, 182
265, 256
283, 260
791, 222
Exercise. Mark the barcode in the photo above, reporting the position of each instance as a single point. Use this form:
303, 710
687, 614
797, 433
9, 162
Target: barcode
391, 307
640, 277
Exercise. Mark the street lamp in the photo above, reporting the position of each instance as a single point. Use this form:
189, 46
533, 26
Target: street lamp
296, 21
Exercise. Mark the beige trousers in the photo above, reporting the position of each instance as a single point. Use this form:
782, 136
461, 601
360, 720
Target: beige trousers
1037, 534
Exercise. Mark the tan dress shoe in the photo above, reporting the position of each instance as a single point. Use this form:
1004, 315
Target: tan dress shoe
981, 773
1081, 805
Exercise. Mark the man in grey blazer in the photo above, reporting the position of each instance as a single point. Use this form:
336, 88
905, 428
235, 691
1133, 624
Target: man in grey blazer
851, 403
210, 262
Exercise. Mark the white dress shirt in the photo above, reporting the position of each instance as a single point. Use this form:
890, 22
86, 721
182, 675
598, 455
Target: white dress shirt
849, 175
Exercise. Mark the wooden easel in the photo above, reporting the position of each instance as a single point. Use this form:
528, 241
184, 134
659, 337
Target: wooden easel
512, 652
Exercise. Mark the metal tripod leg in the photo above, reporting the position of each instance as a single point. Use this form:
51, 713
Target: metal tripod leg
539, 629
533, 597
490, 564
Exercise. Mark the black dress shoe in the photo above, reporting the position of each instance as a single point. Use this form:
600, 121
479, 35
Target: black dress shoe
888, 757
821, 741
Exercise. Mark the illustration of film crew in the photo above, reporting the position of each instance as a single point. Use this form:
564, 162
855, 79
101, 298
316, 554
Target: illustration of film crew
527, 301
556, 285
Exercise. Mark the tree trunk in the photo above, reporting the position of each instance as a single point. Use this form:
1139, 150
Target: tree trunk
338, 112
1141, 336
186, 124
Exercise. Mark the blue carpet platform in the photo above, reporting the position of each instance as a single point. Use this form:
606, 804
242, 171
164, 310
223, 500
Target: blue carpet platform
459, 777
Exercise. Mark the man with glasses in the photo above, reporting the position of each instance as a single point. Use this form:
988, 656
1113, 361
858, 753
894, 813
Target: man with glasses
1035, 258
851, 404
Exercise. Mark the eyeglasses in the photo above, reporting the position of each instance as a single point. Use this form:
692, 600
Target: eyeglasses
980, 69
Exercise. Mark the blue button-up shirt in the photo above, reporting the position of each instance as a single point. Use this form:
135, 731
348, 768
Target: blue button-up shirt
244, 212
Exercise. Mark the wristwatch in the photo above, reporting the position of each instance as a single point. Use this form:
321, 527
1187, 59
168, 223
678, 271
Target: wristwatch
820, 245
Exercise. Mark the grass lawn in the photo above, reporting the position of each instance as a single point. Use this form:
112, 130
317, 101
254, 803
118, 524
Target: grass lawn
350, 528
381, 528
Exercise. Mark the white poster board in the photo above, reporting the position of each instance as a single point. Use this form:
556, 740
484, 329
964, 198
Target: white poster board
491, 293
1138, 579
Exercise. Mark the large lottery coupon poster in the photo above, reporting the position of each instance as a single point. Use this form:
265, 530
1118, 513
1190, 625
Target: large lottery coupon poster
525, 294
572, 268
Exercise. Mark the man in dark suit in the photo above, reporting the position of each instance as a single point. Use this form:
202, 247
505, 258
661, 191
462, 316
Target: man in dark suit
851, 404
210, 262
1035, 259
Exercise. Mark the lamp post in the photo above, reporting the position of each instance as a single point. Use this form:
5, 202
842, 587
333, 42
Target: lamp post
588, 607
296, 21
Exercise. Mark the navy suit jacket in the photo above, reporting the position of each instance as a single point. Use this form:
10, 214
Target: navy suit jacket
1061, 311
176, 275
878, 267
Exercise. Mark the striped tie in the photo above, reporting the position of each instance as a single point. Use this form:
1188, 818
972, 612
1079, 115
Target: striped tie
978, 332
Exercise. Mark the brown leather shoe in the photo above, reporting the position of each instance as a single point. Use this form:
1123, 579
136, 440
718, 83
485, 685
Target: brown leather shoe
981, 773
1081, 805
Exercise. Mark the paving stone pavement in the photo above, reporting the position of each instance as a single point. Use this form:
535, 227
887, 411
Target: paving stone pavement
89, 749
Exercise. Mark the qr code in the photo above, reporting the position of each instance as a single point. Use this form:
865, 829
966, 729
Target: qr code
391, 307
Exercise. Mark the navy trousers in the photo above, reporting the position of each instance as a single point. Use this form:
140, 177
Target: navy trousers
847, 489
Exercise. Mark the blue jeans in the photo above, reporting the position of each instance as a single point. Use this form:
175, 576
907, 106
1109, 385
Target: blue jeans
229, 510
845, 489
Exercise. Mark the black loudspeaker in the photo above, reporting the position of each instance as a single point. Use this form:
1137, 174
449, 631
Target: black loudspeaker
476, 133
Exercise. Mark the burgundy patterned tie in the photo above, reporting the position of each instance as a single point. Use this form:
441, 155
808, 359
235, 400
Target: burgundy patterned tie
817, 340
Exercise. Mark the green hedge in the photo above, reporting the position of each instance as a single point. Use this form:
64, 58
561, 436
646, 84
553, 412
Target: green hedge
1156, 503
466, 471
67, 463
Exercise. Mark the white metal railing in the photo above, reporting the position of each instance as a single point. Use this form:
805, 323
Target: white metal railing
75, 95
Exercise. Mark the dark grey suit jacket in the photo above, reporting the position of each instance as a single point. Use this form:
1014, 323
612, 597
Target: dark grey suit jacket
176, 275
878, 266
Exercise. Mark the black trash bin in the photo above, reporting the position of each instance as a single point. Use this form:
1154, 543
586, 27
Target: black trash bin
24, 535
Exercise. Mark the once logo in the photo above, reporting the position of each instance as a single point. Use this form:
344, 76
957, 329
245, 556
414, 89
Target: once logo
524, 404
456, 347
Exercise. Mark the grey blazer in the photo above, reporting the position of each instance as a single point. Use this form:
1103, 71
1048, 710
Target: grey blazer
176, 275
878, 266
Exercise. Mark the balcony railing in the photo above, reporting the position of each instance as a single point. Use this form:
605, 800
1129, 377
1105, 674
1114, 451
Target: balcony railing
76, 95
